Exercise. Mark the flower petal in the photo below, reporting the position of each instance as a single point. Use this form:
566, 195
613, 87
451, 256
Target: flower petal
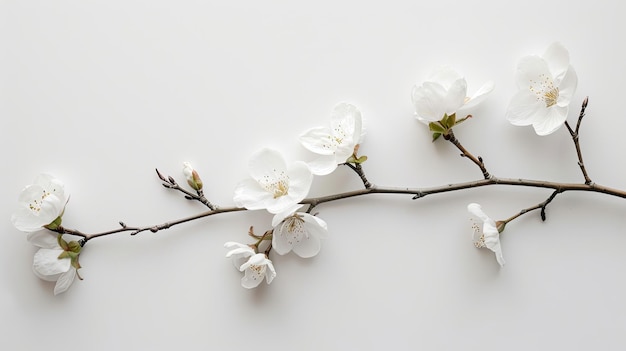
270, 272
51, 185
267, 163
429, 101
524, 109
308, 246
446, 76
48, 266
279, 217
553, 120
479, 95
323, 165
346, 122
567, 87
477, 211
318, 140
251, 195
36, 210
531, 69
557, 58
43, 239
281, 243
455, 97
65, 281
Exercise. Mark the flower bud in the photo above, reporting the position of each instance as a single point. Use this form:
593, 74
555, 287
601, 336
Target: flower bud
193, 179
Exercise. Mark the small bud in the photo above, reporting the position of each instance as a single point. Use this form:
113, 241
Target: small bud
193, 179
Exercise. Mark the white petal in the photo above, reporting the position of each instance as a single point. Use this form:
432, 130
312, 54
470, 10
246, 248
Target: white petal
552, 121
280, 239
524, 109
531, 69
315, 225
187, 171
48, 266
446, 76
346, 118
251, 279
323, 165
480, 95
477, 211
429, 101
318, 140
270, 272
43, 239
36, 210
557, 58
51, 185
567, 87
251, 195
455, 97
267, 163
65, 281
279, 217
308, 246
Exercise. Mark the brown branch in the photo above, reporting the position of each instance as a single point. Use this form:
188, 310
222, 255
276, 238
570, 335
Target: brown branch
170, 183
575, 138
478, 161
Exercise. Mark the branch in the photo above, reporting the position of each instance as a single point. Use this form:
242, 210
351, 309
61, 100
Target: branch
170, 183
575, 138
417, 193
478, 161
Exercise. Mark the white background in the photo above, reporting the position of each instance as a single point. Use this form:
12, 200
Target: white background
99, 93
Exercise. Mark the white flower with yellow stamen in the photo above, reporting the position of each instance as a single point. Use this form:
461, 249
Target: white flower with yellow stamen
273, 186
335, 144
546, 85
299, 232
486, 235
256, 266
40, 204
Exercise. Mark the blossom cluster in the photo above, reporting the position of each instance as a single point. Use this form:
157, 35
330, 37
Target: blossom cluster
546, 86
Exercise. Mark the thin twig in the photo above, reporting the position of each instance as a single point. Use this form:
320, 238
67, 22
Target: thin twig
575, 138
358, 169
477, 160
170, 183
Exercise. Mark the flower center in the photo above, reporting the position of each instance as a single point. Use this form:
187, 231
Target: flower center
280, 188
545, 90
35, 205
295, 229
479, 237
258, 270
278, 185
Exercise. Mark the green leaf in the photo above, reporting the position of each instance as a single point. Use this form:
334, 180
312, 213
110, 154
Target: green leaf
451, 120
54, 225
74, 246
444, 121
436, 127
351, 159
361, 159
436, 136
64, 254
64, 245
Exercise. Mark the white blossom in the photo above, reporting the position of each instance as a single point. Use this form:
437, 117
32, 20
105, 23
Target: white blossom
273, 186
487, 234
334, 144
546, 87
